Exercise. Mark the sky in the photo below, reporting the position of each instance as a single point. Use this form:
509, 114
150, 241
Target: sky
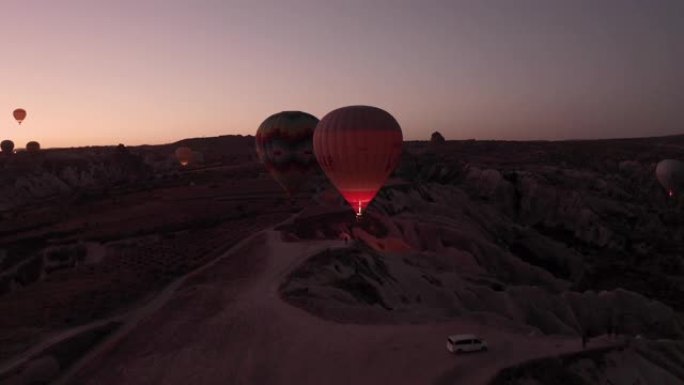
101, 72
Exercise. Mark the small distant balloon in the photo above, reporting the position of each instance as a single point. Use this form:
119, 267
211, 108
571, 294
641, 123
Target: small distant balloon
7, 147
19, 114
670, 175
437, 138
184, 155
284, 146
32, 146
358, 147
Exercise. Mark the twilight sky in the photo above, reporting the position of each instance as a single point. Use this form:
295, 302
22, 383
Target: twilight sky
94, 72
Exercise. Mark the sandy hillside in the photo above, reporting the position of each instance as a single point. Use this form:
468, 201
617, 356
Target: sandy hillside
228, 323
529, 244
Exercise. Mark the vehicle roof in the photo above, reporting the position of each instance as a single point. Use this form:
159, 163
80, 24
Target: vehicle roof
457, 337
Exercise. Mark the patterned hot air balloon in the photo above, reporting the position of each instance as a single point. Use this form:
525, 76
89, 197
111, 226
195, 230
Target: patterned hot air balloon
284, 146
19, 114
7, 147
184, 155
358, 147
670, 174
32, 146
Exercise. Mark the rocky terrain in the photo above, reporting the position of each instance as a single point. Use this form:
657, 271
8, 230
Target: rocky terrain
88, 235
538, 238
645, 362
565, 237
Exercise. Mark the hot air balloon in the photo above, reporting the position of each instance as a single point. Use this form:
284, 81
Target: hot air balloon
184, 155
357, 148
284, 146
670, 174
19, 114
7, 147
437, 138
32, 146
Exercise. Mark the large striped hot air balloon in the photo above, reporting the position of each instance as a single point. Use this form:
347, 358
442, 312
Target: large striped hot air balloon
358, 147
284, 146
19, 114
670, 174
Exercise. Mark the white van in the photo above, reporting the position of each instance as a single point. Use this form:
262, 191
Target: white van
465, 343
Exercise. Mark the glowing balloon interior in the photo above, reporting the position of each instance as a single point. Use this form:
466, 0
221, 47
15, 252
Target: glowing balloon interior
184, 155
358, 147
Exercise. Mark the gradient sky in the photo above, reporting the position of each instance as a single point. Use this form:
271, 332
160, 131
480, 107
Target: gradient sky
96, 72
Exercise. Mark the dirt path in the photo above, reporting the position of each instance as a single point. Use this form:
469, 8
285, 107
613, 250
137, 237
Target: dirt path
227, 324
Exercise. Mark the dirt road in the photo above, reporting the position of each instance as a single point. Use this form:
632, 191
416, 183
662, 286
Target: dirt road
228, 325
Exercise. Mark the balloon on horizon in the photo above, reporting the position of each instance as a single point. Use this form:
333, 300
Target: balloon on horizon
437, 138
184, 155
358, 147
19, 114
284, 144
670, 175
32, 146
7, 147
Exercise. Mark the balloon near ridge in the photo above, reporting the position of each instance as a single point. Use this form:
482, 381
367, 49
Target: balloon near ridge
7, 147
184, 155
670, 175
284, 144
358, 147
